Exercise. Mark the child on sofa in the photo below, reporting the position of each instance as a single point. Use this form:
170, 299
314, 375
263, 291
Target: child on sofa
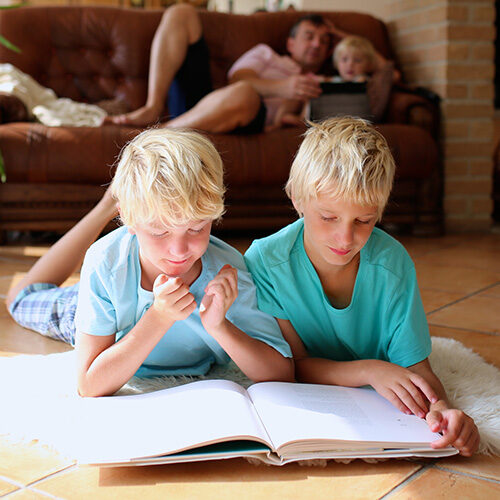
356, 60
345, 293
160, 295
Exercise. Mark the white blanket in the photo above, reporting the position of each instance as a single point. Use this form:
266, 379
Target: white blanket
37, 392
43, 104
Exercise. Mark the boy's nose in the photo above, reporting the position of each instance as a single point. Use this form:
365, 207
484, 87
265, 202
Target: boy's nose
346, 235
178, 247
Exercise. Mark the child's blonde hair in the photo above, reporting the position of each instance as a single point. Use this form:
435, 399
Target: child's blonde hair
357, 44
171, 176
345, 158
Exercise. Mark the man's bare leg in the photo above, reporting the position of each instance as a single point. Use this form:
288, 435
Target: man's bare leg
180, 27
222, 110
67, 254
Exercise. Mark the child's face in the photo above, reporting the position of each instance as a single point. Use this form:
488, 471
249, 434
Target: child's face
335, 230
352, 64
173, 250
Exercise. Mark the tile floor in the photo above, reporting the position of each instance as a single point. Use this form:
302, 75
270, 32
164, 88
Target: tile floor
460, 282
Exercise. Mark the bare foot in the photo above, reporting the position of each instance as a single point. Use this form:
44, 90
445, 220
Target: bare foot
140, 117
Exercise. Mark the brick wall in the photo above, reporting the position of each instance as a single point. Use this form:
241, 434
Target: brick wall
447, 45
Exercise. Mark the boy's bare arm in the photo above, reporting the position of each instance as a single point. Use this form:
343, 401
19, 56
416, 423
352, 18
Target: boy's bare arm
458, 429
406, 390
104, 366
258, 360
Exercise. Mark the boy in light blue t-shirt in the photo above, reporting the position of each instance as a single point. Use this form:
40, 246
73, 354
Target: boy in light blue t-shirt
160, 295
344, 292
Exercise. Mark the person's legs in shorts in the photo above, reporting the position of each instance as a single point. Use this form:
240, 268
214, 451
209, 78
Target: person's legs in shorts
55, 267
180, 28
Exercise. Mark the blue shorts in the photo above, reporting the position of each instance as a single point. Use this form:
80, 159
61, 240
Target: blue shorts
48, 309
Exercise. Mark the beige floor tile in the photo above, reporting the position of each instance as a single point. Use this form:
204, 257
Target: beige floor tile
435, 483
8, 267
454, 279
479, 465
434, 299
464, 257
28, 462
416, 246
23, 252
6, 487
231, 479
494, 291
15, 339
29, 494
487, 346
479, 312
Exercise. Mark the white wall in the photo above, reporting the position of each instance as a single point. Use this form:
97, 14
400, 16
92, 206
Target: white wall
374, 7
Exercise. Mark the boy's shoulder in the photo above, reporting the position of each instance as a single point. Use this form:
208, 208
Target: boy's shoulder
385, 251
276, 248
113, 249
220, 252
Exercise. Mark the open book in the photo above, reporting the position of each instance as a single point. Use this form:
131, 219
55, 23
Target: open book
276, 422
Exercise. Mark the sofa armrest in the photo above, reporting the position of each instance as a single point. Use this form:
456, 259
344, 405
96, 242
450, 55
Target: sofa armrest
409, 108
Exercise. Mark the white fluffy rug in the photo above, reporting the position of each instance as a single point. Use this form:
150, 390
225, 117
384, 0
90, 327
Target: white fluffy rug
36, 392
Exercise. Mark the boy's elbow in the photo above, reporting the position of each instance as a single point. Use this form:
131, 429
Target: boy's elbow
87, 390
284, 371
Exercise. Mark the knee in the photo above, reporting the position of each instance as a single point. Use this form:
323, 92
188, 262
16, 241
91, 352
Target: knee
243, 100
181, 12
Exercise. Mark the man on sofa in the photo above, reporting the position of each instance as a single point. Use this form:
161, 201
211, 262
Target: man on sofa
258, 81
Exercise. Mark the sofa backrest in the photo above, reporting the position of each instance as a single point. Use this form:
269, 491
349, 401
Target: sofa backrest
94, 53
228, 35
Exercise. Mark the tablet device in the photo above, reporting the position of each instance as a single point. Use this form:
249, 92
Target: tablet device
340, 99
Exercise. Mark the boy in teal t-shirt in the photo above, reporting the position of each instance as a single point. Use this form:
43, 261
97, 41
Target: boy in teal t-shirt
344, 292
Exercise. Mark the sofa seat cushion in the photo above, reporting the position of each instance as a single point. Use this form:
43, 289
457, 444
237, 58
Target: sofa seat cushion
34, 153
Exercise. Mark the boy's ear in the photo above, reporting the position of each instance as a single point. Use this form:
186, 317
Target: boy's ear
129, 229
297, 206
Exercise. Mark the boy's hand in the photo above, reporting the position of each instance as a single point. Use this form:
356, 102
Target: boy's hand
458, 429
220, 294
172, 298
407, 391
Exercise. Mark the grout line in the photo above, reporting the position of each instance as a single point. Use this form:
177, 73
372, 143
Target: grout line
462, 329
400, 486
53, 474
468, 474
468, 296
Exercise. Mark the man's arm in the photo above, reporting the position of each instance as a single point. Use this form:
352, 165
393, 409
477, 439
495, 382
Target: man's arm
302, 87
458, 429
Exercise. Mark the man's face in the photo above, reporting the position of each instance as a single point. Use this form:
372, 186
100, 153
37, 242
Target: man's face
310, 45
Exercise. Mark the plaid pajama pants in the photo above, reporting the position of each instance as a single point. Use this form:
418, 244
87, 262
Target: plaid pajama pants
47, 309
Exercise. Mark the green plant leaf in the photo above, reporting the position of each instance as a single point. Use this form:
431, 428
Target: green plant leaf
12, 6
9, 45
3, 176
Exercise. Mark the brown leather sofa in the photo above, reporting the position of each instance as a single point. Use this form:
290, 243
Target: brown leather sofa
54, 175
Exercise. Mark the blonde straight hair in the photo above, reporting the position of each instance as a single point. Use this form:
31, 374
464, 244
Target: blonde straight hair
357, 44
173, 176
346, 158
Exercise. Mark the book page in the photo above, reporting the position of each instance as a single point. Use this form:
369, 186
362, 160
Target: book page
120, 428
295, 412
